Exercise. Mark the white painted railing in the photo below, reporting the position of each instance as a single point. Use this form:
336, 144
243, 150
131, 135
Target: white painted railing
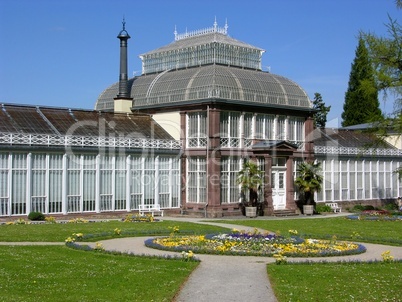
86, 141
357, 151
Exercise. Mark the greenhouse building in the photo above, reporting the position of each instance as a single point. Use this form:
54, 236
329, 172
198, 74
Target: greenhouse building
177, 135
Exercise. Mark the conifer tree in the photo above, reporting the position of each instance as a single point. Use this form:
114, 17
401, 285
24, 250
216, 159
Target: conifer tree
361, 99
320, 117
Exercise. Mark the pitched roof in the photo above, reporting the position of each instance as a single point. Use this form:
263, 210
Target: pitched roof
64, 121
347, 138
201, 40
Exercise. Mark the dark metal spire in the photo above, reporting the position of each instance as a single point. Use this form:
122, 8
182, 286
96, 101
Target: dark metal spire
123, 78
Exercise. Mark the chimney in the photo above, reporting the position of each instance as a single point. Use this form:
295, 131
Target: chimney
123, 101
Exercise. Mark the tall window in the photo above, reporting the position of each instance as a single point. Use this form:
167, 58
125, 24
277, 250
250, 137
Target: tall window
327, 183
74, 184
164, 181
367, 180
196, 129
230, 129
230, 192
18, 183
344, 180
335, 180
149, 180
374, 180
38, 198
89, 182
55, 183
280, 130
120, 183
360, 175
4, 194
352, 179
106, 183
176, 182
295, 128
136, 181
248, 129
264, 126
196, 180
387, 183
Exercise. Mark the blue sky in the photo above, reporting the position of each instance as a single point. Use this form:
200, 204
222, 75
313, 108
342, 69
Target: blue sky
65, 52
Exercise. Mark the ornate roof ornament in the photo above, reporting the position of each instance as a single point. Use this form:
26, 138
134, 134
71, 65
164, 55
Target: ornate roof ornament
214, 29
123, 34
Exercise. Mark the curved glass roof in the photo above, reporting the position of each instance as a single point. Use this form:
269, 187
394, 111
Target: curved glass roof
210, 81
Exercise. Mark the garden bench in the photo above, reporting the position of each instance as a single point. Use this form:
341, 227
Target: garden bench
334, 206
154, 209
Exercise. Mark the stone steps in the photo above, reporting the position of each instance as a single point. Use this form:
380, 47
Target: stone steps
285, 213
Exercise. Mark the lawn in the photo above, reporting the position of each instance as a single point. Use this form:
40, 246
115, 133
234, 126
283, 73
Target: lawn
383, 232
335, 282
374, 281
58, 232
41, 273
50, 273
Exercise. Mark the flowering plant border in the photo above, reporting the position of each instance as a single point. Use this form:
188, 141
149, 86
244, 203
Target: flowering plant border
248, 244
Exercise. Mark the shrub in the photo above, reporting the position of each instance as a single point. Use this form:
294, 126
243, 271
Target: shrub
36, 216
320, 208
368, 208
357, 208
391, 206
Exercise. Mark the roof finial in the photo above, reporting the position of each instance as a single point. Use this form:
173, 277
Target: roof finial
175, 33
124, 23
226, 26
215, 25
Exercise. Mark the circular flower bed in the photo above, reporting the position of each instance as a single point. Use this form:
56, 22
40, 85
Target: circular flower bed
256, 244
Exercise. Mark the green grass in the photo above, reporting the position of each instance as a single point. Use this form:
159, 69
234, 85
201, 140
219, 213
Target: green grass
375, 281
49, 273
59, 232
383, 232
44, 273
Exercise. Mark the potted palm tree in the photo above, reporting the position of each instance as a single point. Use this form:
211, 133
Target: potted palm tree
308, 182
250, 178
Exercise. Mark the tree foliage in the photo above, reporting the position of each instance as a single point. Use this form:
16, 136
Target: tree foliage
361, 99
309, 180
386, 55
250, 178
320, 117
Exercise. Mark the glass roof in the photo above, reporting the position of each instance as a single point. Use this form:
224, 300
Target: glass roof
211, 81
76, 122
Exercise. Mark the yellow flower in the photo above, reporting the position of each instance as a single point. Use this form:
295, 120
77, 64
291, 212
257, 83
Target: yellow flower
70, 239
99, 247
386, 256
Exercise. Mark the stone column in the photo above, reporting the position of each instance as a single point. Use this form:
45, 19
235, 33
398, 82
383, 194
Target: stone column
290, 191
214, 208
268, 202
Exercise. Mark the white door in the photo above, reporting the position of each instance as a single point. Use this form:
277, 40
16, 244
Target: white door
278, 183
